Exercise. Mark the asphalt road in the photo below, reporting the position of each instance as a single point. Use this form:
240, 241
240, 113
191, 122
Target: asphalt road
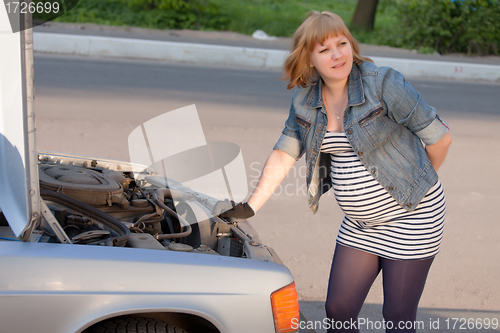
89, 107
201, 84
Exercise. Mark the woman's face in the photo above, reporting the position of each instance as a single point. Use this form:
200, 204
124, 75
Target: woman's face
333, 60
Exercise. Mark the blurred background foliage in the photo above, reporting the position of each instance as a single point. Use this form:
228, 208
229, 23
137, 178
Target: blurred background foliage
467, 26
444, 26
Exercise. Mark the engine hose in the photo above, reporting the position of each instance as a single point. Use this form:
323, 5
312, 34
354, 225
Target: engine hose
144, 217
171, 212
119, 228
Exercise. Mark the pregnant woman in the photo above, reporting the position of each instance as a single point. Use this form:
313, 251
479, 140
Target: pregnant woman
367, 134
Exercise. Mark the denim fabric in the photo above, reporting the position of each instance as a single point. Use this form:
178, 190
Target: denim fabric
385, 121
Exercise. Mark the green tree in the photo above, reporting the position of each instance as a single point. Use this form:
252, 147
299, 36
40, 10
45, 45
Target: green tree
446, 26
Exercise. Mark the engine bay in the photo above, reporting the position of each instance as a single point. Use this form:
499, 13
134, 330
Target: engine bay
110, 203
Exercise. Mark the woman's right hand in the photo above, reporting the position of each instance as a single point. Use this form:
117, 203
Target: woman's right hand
239, 211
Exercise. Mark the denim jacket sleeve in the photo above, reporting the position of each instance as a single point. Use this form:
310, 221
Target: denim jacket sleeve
290, 141
405, 106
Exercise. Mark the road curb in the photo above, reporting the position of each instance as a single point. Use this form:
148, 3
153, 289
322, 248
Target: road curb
108, 47
442, 69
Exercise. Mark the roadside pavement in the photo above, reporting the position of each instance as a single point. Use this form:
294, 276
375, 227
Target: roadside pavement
233, 49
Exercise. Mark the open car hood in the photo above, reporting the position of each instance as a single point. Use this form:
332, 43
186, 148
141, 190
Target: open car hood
18, 169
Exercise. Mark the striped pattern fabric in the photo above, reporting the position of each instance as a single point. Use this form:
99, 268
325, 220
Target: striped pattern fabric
374, 222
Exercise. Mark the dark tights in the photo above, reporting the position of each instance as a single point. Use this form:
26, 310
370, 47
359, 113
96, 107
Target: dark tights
352, 274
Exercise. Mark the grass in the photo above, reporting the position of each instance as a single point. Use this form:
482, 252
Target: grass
116, 13
275, 17
278, 17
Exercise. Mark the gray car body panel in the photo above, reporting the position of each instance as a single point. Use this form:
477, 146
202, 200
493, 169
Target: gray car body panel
66, 288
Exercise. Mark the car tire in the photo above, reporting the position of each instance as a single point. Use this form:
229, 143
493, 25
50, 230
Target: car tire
133, 325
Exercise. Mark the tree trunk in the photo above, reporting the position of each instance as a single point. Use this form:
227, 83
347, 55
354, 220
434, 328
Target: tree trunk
364, 15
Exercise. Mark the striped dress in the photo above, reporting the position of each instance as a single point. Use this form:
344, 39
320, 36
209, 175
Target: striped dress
374, 222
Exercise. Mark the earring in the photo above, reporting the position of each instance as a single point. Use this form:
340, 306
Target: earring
311, 66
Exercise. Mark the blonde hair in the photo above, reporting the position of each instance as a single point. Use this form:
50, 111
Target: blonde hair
317, 27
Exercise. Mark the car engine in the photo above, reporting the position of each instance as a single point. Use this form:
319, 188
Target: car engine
110, 203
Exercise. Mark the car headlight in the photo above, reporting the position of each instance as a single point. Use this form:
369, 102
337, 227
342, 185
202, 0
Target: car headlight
285, 305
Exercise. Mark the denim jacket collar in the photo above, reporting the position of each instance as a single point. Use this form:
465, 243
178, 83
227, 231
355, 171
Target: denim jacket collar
355, 91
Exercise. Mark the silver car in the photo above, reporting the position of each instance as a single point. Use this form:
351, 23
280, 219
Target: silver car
96, 245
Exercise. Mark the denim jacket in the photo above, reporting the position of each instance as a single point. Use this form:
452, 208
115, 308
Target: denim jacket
385, 121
